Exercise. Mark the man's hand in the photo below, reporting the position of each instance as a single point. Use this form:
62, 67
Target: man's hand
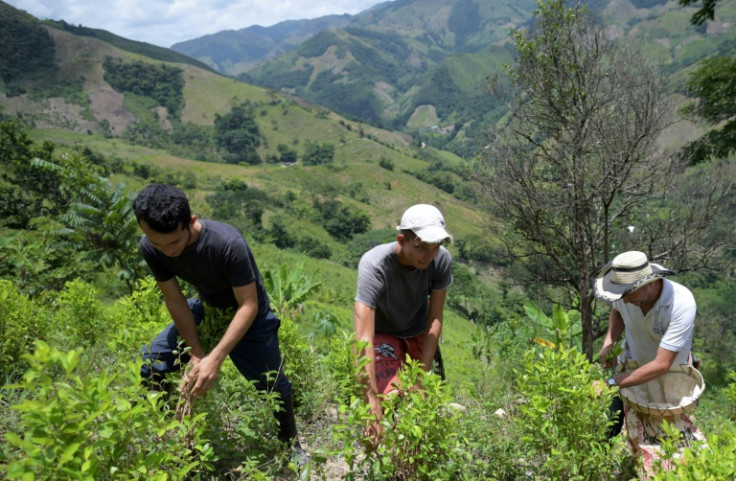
609, 354
201, 375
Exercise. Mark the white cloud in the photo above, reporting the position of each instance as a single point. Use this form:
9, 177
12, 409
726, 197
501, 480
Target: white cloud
166, 22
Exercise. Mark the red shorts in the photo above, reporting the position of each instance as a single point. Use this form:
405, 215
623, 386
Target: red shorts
391, 353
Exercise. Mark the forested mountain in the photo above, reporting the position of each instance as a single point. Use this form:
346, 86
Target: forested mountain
422, 65
233, 52
84, 87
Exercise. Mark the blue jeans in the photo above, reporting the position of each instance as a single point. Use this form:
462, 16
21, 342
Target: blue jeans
256, 354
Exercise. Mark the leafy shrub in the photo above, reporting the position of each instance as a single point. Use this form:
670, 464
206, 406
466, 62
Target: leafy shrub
238, 135
314, 247
562, 420
80, 315
419, 442
21, 323
240, 424
316, 154
78, 427
714, 460
136, 318
342, 222
288, 289
386, 163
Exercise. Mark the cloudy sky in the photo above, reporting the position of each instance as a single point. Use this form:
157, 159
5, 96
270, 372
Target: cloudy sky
166, 22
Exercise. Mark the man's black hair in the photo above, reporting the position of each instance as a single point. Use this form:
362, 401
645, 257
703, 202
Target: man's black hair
164, 208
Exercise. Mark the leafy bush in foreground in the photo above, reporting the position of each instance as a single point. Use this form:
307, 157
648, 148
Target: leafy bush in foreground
77, 427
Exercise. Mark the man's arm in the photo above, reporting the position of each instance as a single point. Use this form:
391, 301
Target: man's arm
615, 329
651, 370
434, 327
205, 373
365, 330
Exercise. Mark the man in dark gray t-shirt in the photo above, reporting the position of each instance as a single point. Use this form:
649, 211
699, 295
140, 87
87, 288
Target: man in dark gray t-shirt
400, 301
215, 258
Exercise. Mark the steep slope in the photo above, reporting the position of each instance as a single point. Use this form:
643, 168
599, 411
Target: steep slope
375, 172
421, 65
381, 67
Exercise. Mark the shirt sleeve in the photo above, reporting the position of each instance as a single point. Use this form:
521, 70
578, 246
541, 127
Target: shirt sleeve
680, 330
238, 263
370, 282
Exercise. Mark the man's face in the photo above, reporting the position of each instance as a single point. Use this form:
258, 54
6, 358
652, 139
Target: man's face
419, 254
640, 297
172, 244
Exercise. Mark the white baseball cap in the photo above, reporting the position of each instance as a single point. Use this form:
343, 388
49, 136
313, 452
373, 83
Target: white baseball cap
426, 222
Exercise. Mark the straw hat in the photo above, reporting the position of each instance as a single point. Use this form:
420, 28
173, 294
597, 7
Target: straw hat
674, 393
626, 273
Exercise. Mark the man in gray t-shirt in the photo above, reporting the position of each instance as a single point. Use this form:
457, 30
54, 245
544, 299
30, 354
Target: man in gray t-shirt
400, 301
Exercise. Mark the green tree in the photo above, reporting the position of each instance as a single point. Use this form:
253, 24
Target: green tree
233, 199
316, 154
160, 82
237, 134
713, 88
26, 50
286, 154
26, 191
574, 163
99, 222
704, 13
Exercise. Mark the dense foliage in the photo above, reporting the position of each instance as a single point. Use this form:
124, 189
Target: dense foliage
237, 134
75, 406
316, 154
26, 50
159, 82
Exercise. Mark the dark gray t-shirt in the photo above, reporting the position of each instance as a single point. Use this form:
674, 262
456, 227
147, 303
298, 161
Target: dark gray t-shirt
400, 295
219, 260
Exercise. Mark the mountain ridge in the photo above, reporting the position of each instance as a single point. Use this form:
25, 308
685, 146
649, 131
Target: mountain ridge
384, 66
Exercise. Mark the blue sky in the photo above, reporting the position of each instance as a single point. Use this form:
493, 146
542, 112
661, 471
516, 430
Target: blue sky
166, 22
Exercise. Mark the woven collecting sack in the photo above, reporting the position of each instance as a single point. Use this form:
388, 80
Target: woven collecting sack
672, 394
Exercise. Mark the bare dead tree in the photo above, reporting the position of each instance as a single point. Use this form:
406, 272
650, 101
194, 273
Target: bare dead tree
574, 163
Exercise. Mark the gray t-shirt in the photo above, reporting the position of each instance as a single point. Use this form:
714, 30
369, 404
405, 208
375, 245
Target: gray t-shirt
400, 295
219, 260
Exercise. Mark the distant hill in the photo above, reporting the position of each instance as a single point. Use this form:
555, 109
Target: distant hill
393, 59
421, 65
233, 52
71, 98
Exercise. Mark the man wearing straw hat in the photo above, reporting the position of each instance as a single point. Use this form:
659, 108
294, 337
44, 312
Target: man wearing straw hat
657, 314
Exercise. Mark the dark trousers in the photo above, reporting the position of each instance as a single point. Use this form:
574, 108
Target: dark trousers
254, 356
616, 416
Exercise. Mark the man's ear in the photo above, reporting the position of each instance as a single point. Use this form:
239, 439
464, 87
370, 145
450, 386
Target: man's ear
401, 238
